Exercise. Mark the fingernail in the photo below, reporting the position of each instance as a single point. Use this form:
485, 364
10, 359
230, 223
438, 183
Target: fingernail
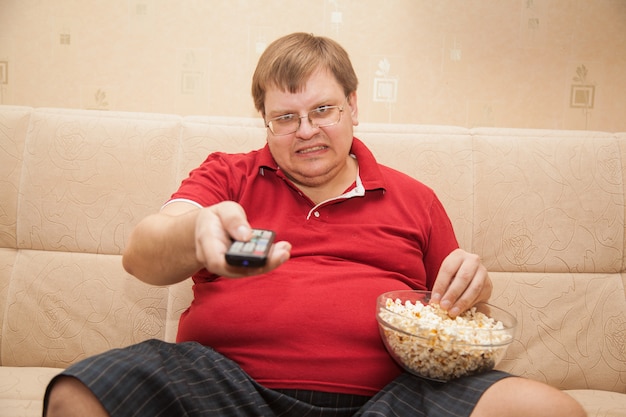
435, 297
445, 304
243, 231
455, 311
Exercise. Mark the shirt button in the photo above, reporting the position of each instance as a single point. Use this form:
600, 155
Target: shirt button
316, 214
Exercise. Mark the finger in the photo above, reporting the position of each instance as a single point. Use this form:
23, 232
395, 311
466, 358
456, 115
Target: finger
462, 279
472, 293
447, 271
279, 254
212, 242
233, 219
459, 285
211, 234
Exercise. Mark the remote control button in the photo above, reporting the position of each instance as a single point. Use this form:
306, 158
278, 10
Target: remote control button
237, 245
260, 248
248, 247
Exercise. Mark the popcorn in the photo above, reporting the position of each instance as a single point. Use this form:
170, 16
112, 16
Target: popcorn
427, 341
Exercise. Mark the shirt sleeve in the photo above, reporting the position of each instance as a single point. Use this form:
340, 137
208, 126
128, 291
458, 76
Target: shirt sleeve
212, 182
442, 241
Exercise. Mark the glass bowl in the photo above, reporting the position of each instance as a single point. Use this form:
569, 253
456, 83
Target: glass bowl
425, 341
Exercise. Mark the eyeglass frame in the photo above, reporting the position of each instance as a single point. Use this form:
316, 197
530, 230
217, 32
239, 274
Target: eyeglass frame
308, 117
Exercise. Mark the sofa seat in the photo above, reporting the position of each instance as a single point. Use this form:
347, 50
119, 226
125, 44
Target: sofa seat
22, 389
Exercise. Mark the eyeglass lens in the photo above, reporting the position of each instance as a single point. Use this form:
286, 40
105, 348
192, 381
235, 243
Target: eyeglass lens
321, 117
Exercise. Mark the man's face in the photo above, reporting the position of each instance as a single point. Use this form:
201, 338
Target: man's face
312, 156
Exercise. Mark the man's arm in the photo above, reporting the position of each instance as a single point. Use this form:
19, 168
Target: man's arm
170, 246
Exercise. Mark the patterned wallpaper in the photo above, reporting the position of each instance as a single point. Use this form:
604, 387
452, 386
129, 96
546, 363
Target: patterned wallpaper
556, 64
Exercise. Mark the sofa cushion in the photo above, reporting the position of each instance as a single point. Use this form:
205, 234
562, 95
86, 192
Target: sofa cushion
62, 307
89, 177
548, 201
600, 403
571, 328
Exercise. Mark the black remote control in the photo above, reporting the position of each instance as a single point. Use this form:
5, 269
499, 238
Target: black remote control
252, 253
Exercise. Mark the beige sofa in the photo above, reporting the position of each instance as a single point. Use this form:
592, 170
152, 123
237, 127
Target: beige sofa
544, 208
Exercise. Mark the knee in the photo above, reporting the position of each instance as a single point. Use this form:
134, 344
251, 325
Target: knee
68, 397
576, 410
570, 407
511, 396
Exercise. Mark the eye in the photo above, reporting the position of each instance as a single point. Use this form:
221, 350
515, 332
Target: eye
285, 118
323, 109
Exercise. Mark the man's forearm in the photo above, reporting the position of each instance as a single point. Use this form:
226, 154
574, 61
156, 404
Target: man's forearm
161, 249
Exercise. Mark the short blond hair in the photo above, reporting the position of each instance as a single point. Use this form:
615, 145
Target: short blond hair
288, 62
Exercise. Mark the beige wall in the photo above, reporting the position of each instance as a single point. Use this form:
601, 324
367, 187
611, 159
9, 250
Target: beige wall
514, 63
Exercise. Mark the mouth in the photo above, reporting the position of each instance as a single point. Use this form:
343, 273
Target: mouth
311, 149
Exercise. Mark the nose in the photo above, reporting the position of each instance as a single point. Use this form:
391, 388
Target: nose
306, 130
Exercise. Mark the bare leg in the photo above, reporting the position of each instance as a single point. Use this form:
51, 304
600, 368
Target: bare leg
513, 397
70, 397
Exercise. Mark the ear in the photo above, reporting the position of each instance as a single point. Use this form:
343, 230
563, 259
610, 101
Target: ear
267, 129
354, 109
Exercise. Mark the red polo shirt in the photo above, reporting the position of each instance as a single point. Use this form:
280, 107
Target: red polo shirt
310, 323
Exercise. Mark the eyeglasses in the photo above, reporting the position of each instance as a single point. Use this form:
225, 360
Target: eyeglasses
290, 123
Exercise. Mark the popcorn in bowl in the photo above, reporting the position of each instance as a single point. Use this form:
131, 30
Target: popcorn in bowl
427, 342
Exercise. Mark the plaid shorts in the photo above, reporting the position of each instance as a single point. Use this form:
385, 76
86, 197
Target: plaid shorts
155, 378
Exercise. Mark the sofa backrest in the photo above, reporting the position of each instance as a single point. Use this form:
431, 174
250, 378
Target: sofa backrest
544, 209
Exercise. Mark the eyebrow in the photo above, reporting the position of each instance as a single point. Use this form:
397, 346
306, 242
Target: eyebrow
277, 113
